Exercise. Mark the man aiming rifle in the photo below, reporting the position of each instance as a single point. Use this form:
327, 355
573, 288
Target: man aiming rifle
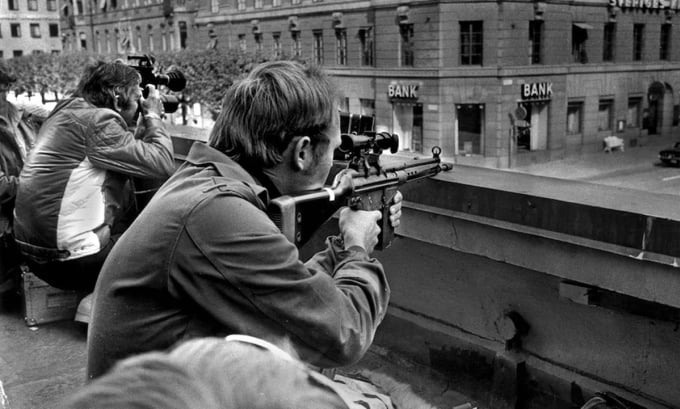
204, 259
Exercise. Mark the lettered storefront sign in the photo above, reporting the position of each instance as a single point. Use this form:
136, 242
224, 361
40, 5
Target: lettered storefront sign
404, 91
537, 90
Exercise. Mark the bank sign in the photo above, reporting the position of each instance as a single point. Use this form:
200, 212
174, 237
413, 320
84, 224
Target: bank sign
405, 91
646, 4
537, 90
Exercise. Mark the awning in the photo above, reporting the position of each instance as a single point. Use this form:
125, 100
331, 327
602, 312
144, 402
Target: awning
583, 26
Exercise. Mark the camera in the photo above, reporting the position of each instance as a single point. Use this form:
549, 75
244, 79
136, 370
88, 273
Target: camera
173, 79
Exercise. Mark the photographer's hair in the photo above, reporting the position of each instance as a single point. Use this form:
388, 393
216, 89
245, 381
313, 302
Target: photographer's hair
103, 81
275, 102
244, 375
147, 381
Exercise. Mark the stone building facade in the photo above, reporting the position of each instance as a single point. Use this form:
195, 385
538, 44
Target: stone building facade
127, 26
499, 83
29, 27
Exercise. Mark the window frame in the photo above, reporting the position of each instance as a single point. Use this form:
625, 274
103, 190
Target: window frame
578, 105
665, 41
276, 44
638, 41
609, 123
471, 51
53, 29
367, 46
406, 45
609, 42
296, 43
536, 30
634, 121
341, 46
318, 46
15, 30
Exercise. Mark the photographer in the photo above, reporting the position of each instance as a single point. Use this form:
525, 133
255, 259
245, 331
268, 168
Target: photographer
74, 193
204, 259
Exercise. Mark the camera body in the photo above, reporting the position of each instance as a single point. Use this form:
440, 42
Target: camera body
173, 79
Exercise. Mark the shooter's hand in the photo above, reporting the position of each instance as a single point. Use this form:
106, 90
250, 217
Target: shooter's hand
395, 210
359, 228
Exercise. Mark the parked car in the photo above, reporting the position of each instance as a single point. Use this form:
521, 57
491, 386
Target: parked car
671, 156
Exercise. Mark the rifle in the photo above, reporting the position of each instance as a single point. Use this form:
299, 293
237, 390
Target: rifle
359, 181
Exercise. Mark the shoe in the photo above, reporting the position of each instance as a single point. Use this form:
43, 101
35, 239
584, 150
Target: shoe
84, 310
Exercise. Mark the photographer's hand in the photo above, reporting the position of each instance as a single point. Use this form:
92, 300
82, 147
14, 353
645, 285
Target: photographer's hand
152, 105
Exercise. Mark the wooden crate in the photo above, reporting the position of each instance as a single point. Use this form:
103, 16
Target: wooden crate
43, 303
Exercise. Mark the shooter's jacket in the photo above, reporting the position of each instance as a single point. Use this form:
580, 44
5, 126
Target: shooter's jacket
72, 187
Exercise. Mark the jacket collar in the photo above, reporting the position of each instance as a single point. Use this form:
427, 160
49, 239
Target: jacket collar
202, 154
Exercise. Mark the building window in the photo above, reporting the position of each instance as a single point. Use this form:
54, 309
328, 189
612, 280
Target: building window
150, 38
471, 42
240, 4
276, 3
318, 47
574, 117
535, 41
52, 5
258, 41
276, 48
183, 35
15, 30
54, 30
98, 42
605, 116
258, 4
406, 44
638, 41
579, 37
295, 2
242, 42
83, 41
13, 5
138, 30
341, 46
366, 39
665, 46
609, 42
2, 54
17, 53
32, 5
296, 49
634, 112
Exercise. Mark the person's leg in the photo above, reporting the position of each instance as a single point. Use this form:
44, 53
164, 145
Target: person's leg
79, 274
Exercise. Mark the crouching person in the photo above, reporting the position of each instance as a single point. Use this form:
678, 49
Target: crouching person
74, 192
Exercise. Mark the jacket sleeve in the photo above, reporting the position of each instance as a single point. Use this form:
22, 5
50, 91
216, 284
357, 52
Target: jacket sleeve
8, 187
330, 317
112, 146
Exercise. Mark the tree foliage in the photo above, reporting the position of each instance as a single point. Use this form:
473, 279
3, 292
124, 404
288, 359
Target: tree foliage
208, 72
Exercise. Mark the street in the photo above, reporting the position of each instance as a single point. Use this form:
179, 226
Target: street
654, 177
636, 168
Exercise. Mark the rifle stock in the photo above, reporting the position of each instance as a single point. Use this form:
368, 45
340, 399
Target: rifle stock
299, 216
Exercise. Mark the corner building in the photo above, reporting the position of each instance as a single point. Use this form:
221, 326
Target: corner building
494, 83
